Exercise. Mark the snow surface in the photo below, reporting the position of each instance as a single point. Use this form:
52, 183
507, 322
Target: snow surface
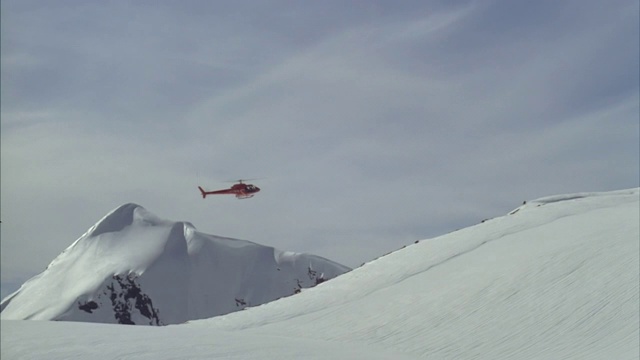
557, 278
136, 266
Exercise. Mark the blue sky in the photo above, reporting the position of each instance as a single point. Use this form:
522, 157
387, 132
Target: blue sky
370, 124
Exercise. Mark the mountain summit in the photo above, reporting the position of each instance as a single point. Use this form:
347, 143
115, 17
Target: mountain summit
133, 267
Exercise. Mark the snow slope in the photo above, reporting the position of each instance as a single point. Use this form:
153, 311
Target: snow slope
557, 278
133, 267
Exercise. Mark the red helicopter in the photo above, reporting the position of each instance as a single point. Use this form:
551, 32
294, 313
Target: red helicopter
240, 190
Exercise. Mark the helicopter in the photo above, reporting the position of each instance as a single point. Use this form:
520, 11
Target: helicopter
240, 190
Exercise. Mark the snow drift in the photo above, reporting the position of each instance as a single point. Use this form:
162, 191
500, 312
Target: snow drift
133, 267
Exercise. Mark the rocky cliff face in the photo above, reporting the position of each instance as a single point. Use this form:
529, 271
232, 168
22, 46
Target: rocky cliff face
124, 297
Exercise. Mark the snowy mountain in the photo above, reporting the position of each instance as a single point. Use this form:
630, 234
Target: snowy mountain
133, 267
556, 278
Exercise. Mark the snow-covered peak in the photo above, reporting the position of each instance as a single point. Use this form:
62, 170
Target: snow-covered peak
121, 217
134, 267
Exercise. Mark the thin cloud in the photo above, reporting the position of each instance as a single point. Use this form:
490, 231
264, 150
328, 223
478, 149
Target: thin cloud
371, 127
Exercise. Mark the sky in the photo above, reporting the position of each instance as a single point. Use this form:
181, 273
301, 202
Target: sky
558, 279
368, 125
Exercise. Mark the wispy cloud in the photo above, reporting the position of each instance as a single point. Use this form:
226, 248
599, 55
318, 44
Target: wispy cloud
373, 126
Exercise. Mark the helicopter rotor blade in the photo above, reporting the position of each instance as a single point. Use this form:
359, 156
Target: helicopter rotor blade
241, 180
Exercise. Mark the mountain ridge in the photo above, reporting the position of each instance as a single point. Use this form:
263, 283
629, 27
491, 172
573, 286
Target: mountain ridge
134, 267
